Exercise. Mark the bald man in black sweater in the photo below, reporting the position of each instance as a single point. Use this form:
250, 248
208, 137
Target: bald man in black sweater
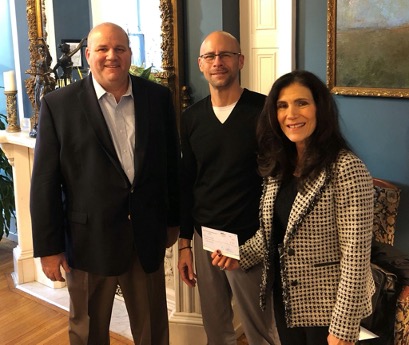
220, 189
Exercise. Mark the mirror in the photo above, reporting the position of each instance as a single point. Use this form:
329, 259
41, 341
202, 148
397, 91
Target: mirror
171, 72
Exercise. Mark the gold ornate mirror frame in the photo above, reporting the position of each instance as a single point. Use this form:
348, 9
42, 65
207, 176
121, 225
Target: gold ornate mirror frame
36, 35
172, 74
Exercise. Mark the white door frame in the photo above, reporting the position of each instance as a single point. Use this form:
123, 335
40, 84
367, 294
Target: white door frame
267, 35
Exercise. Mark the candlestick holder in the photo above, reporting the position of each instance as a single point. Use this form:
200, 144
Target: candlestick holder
11, 104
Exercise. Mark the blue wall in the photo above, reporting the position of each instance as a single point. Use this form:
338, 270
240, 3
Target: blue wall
6, 49
23, 44
376, 128
71, 22
203, 17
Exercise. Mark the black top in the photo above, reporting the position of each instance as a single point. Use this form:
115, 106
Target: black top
282, 208
220, 186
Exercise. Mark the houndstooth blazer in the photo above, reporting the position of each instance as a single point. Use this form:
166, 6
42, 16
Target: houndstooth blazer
325, 257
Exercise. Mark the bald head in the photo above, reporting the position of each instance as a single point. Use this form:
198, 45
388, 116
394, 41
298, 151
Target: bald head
220, 38
106, 27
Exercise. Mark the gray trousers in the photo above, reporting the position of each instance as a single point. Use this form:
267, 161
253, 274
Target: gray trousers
216, 288
92, 298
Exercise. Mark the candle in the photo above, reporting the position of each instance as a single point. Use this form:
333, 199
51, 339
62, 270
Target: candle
9, 79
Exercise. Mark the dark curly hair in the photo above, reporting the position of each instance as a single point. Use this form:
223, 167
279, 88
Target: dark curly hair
277, 155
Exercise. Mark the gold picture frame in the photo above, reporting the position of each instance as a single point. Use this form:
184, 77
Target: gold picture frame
367, 55
77, 58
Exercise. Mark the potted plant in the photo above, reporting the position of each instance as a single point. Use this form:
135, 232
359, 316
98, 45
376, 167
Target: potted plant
7, 205
145, 73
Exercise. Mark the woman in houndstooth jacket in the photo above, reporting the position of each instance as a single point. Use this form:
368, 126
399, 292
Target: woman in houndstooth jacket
316, 217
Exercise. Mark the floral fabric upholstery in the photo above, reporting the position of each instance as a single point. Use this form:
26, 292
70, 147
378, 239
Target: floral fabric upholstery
402, 322
386, 211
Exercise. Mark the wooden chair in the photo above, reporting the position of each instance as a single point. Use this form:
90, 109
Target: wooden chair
386, 203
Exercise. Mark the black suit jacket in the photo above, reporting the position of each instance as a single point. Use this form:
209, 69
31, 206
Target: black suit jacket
82, 202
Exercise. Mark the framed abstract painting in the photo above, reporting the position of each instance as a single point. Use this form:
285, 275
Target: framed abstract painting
368, 47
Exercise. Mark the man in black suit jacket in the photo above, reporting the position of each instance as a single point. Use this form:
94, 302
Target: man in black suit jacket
104, 194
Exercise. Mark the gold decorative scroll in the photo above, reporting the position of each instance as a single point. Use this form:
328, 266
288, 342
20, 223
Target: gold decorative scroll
34, 12
168, 73
37, 36
39, 19
11, 104
172, 52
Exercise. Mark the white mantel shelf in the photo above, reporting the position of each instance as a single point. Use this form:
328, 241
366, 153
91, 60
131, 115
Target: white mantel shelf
19, 138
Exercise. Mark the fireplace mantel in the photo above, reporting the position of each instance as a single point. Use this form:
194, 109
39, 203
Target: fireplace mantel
19, 150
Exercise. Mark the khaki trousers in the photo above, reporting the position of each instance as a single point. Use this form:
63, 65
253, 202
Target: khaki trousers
91, 302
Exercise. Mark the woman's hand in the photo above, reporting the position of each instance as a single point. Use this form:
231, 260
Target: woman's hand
224, 262
333, 340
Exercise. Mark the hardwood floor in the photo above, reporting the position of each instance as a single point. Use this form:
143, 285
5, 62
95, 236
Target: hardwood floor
27, 320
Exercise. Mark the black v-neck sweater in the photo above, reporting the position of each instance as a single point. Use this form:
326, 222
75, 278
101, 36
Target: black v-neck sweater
220, 187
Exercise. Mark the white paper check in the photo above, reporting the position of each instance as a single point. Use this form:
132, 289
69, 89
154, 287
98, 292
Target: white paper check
226, 242
364, 334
